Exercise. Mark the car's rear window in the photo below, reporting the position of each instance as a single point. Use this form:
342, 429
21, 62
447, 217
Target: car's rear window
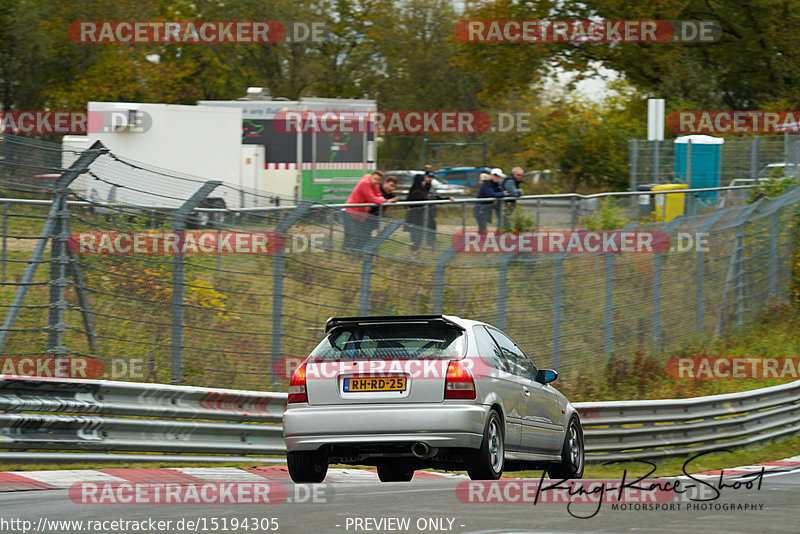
391, 341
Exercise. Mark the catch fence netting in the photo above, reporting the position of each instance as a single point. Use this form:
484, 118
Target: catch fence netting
224, 306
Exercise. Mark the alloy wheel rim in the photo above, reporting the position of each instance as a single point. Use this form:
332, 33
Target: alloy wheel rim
574, 447
496, 446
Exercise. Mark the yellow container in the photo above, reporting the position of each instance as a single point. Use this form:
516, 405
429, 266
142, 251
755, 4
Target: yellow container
670, 205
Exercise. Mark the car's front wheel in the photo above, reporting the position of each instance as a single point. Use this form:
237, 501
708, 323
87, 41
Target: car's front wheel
487, 462
572, 454
306, 467
395, 473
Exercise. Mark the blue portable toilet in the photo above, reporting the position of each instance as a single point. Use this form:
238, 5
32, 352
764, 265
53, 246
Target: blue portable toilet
706, 157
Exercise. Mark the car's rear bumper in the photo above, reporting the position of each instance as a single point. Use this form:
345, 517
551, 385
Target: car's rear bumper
438, 425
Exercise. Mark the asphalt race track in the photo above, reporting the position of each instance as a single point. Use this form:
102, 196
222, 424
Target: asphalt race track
429, 504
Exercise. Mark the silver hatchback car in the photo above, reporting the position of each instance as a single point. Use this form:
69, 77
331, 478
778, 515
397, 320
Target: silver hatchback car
426, 391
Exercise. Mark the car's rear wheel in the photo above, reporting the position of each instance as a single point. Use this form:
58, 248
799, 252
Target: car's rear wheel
572, 454
395, 473
487, 462
306, 466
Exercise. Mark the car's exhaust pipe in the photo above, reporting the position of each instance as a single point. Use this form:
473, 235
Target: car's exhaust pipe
423, 450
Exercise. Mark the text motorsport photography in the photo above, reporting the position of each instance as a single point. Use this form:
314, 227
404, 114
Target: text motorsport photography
585, 499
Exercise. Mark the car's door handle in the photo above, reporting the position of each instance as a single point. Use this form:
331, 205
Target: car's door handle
527, 391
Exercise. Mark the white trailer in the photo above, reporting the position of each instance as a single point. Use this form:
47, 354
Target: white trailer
197, 142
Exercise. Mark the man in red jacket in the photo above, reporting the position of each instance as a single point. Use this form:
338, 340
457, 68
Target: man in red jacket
356, 233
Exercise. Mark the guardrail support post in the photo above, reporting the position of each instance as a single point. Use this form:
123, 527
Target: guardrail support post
558, 301
278, 265
179, 280
366, 272
61, 184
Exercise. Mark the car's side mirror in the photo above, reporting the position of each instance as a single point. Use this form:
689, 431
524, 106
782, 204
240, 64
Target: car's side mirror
547, 375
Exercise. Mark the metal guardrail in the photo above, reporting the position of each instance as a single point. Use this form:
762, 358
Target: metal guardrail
101, 416
628, 430
46, 414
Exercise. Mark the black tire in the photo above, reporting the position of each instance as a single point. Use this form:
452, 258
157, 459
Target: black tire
395, 473
306, 467
487, 462
572, 454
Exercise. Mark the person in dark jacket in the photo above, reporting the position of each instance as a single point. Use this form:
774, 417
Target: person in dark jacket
489, 189
422, 220
512, 184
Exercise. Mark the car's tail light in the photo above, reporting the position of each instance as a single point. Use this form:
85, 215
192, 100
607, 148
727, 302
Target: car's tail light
297, 386
459, 383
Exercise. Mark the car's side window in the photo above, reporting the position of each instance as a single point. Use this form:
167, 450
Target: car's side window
489, 350
520, 364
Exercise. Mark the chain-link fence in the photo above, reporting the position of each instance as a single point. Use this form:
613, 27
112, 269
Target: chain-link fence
741, 158
241, 295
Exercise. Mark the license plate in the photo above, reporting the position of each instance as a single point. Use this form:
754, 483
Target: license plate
358, 385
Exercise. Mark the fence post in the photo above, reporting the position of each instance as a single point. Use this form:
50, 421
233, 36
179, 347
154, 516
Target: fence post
608, 318
438, 292
572, 213
5, 235
773, 254
366, 272
657, 260
76, 169
655, 161
58, 280
558, 300
502, 289
278, 265
754, 150
735, 265
179, 282
704, 228
632, 171
83, 298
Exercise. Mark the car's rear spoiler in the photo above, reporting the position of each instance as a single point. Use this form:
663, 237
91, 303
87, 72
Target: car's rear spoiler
335, 323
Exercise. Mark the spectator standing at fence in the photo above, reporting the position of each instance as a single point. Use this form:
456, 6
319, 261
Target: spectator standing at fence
356, 229
489, 189
512, 184
423, 218
387, 188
